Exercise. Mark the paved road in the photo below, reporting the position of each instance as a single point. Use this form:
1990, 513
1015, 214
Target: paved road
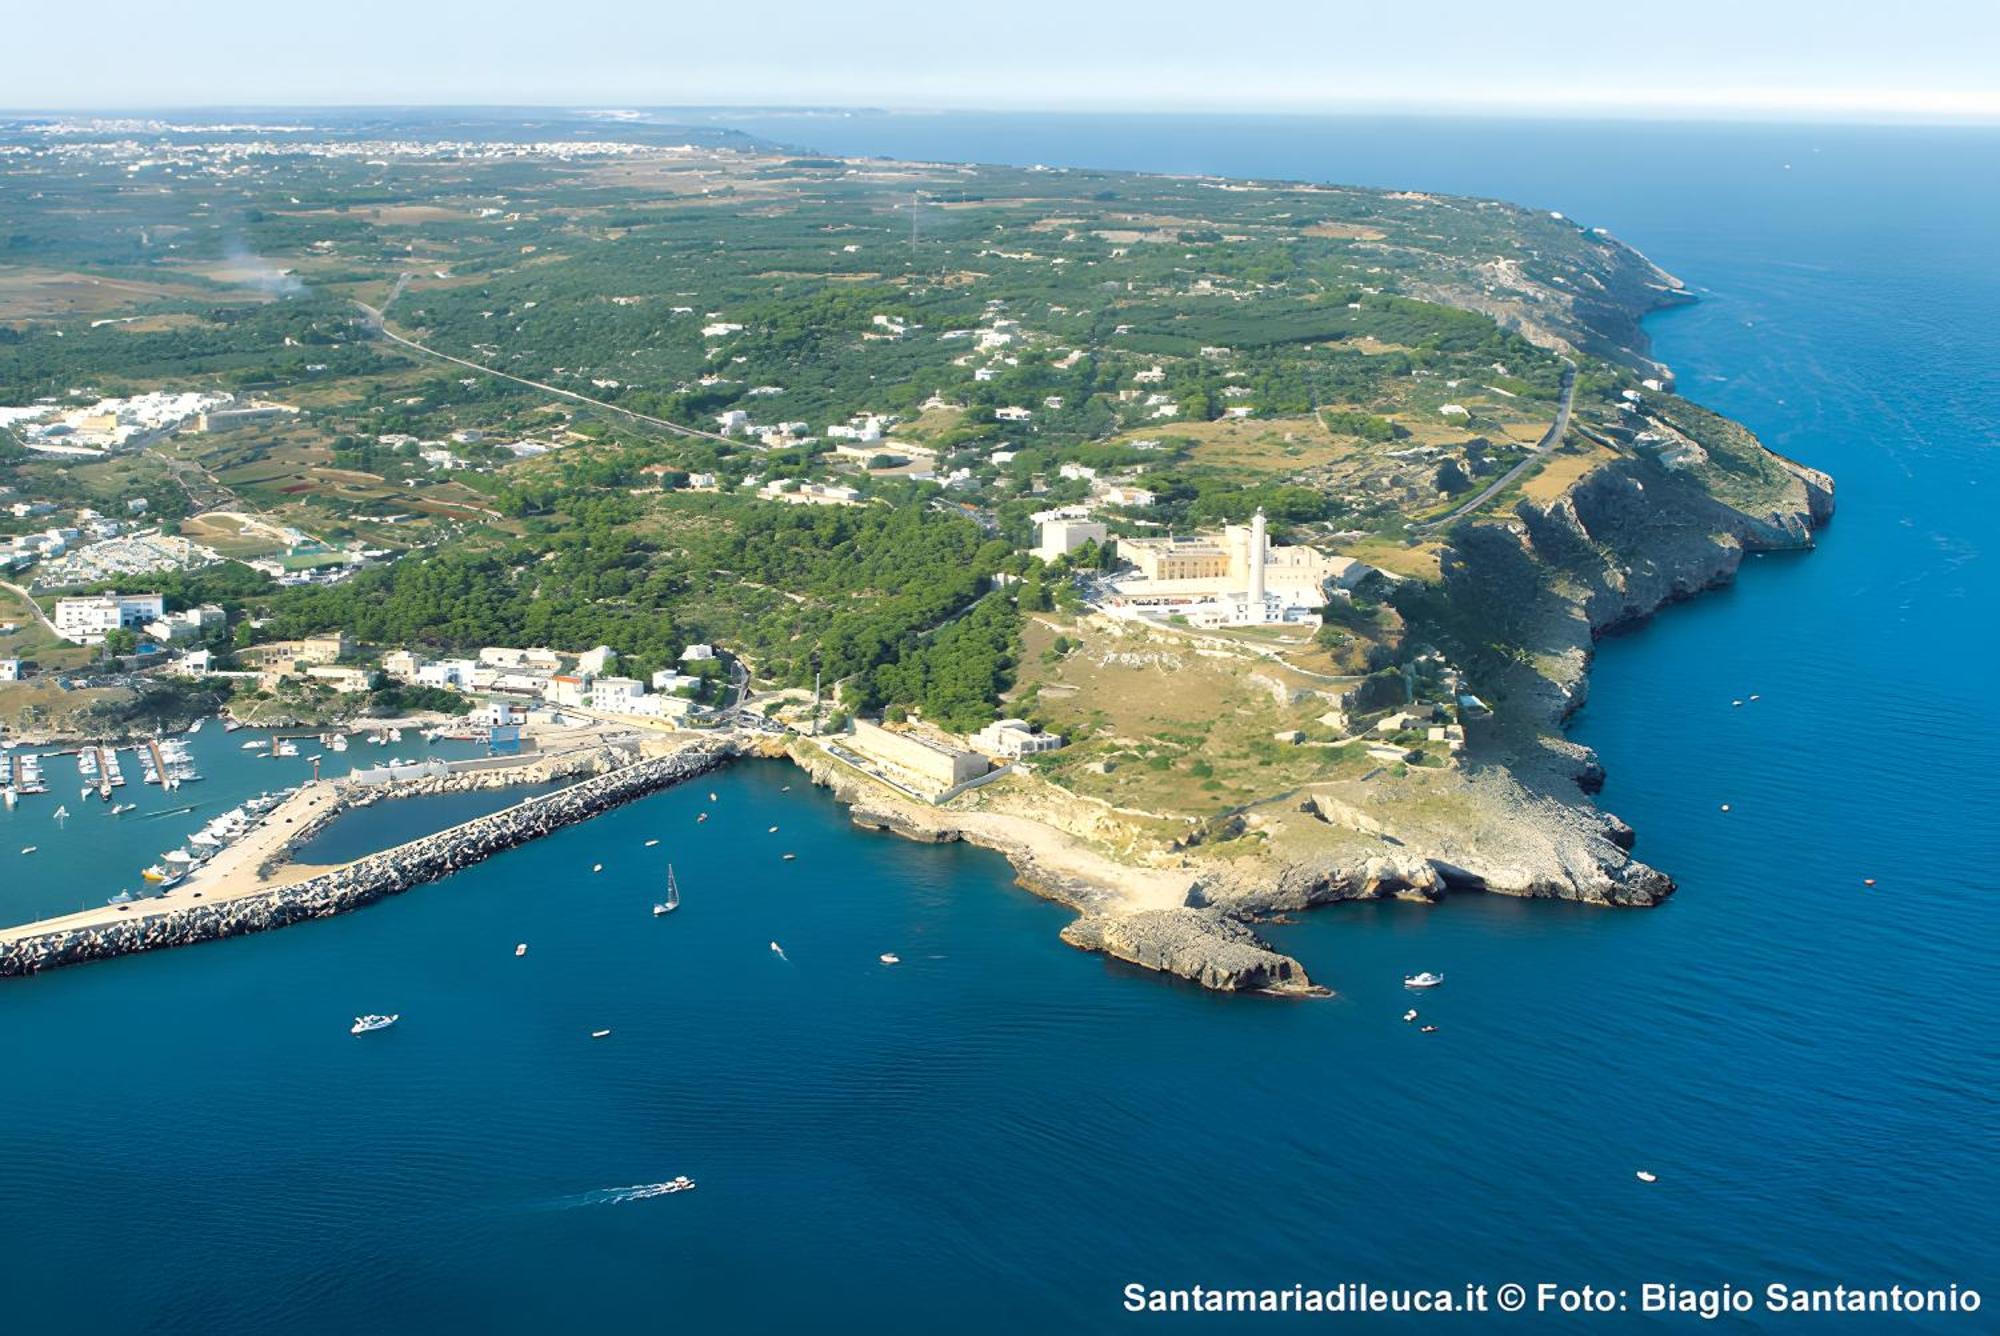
376, 323
33, 607
1500, 484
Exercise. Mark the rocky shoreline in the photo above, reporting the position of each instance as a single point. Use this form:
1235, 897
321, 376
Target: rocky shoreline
1625, 552
368, 879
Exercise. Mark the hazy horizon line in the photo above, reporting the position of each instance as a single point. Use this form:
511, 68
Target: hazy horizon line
1699, 113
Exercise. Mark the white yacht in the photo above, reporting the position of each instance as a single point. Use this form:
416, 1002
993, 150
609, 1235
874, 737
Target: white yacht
891, 958
1424, 980
363, 1024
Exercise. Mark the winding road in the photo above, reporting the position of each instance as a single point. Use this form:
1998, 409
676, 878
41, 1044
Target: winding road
1500, 484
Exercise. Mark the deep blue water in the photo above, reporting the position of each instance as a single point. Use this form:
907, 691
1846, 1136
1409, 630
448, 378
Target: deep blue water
1001, 1132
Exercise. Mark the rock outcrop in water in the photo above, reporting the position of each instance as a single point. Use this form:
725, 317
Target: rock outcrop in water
368, 879
1208, 945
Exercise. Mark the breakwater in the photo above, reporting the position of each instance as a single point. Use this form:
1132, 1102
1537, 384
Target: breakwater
361, 882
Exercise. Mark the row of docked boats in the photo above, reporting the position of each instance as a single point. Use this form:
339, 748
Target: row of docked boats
217, 835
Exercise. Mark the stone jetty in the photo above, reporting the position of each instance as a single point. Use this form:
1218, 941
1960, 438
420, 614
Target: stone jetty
40, 947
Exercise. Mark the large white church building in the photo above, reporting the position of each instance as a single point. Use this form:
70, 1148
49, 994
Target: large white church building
1235, 578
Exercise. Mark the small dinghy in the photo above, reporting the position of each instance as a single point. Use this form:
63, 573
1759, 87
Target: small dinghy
651, 843
597, 867
599, 1034
521, 950
1409, 1015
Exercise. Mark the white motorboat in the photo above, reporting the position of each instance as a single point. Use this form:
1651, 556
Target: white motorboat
364, 1024
521, 950
890, 958
651, 843
1409, 1015
30, 848
252, 746
1647, 1176
597, 867
1424, 980
599, 1034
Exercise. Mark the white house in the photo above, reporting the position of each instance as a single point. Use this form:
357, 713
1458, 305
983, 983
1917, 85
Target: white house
1013, 737
453, 674
616, 693
595, 661
697, 653
566, 689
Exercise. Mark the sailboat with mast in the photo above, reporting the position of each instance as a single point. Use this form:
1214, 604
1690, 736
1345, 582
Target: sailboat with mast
673, 900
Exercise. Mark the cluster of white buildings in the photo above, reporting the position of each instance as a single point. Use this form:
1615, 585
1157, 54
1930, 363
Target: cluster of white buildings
580, 681
107, 424
87, 620
144, 553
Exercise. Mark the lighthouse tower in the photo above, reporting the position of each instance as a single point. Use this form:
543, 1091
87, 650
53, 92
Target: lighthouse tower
1259, 549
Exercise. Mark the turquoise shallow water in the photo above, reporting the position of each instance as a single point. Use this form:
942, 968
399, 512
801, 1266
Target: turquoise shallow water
1005, 1131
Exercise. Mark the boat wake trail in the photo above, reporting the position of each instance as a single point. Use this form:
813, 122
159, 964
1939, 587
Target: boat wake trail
619, 1196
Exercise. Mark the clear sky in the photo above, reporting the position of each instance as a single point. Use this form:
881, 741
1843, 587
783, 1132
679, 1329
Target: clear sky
1861, 59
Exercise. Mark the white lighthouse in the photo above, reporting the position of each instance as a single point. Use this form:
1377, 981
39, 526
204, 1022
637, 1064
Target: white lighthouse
1259, 551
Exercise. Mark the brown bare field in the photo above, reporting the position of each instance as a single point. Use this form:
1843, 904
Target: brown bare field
41, 294
1345, 231
1562, 472
1418, 563
1186, 728
1266, 445
386, 215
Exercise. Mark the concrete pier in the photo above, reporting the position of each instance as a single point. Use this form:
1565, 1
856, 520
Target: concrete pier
247, 894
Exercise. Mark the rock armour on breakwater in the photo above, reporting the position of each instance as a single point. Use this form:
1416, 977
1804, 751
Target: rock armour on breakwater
368, 879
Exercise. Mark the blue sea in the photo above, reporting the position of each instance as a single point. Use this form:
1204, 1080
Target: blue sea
1001, 1133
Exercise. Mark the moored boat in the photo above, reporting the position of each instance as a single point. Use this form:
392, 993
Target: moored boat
364, 1024
1424, 980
